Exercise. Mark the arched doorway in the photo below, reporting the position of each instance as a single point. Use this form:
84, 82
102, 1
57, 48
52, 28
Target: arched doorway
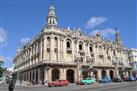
70, 75
85, 74
96, 74
55, 74
111, 73
103, 73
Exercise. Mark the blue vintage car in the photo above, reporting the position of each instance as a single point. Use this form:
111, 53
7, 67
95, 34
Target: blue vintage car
105, 80
131, 78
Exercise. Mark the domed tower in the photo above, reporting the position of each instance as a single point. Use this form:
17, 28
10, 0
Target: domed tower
51, 18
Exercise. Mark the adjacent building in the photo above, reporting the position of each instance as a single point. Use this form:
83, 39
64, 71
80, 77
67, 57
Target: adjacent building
64, 53
133, 60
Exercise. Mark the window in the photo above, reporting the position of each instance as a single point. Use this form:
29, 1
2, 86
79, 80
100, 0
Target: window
68, 44
80, 46
90, 48
48, 41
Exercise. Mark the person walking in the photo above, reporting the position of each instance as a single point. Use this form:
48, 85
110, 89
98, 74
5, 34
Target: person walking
11, 86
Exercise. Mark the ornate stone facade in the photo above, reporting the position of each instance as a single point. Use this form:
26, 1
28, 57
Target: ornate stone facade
62, 53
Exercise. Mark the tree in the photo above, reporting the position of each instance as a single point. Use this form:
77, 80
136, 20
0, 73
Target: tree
1, 63
1, 69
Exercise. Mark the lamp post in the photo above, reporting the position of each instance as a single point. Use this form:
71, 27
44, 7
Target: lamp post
78, 60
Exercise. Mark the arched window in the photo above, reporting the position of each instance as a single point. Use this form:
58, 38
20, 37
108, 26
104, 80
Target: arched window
55, 41
68, 44
90, 49
48, 44
80, 46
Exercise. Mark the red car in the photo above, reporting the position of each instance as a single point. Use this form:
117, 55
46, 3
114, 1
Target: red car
58, 83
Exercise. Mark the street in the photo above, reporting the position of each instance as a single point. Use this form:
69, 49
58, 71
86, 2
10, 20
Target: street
124, 86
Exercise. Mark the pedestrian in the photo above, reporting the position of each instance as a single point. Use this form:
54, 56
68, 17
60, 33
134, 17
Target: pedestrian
11, 86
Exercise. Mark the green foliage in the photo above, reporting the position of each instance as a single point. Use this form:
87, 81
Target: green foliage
1, 69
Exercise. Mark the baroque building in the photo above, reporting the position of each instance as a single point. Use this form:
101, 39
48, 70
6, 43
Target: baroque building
133, 60
63, 53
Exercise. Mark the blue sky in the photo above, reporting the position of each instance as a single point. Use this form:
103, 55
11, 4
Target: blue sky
20, 20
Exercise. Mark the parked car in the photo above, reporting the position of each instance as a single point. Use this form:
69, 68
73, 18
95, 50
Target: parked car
117, 79
87, 81
58, 83
131, 78
105, 80
125, 78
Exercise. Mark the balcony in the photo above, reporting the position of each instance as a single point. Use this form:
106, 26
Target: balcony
81, 51
69, 50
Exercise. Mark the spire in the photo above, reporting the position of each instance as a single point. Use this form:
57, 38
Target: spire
118, 37
51, 18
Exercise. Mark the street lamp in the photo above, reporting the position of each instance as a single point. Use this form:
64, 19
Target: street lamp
78, 60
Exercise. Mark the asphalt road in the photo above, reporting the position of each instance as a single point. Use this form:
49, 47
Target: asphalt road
124, 86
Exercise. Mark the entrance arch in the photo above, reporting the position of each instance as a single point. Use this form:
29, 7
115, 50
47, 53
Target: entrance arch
70, 75
111, 73
55, 74
103, 73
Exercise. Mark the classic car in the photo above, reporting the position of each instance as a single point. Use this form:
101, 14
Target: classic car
105, 80
87, 81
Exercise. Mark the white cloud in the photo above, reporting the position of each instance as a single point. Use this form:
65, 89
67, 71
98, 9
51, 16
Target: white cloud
3, 37
95, 21
10, 68
106, 33
24, 40
5, 58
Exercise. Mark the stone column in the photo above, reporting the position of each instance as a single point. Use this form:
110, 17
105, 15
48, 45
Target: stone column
64, 48
45, 48
62, 73
78, 71
116, 71
34, 72
107, 73
32, 76
73, 51
99, 74
50, 74
61, 49
45, 75
58, 49
51, 48
39, 75
40, 49
29, 76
